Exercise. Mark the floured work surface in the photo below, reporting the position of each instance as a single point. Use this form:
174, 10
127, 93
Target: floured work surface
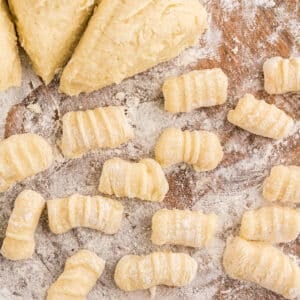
239, 39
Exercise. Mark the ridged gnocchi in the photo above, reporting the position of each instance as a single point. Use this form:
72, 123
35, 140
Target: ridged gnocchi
200, 88
19, 237
183, 227
282, 75
135, 272
21, 156
96, 212
274, 224
262, 264
144, 180
283, 184
78, 278
201, 149
261, 118
103, 127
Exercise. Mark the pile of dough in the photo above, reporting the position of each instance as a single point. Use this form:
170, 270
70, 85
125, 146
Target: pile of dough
49, 30
10, 65
127, 37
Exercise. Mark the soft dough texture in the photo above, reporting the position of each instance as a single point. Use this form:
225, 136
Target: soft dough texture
49, 30
127, 37
81, 273
10, 65
19, 237
159, 268
21, 156
263, 264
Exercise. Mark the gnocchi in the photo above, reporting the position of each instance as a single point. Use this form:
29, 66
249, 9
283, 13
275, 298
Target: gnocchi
19, 241
283, 184
103, 127
273, 224
282, 75
196, 89
78, 278
21, 156
144, 180
183, 227
261, 118
97, 212
158, 268
202, 149
262, 264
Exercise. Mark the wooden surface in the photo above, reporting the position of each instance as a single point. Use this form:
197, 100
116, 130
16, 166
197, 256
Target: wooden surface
240, 38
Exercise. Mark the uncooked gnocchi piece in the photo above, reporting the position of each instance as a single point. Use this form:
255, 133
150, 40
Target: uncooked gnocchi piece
10, 65
135, 272
19, 237
274, 224
152, 32
80, 274
103, 127
144, 180
183, 227
262, 264
49, 30
202, 149
282, 75
261, 118
196, 89
283, 184
21, 156
96, 212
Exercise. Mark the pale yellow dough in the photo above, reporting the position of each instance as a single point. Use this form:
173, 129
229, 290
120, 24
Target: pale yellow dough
183, 227
262, 264
49, 30
21, 156
96, 212
127, 37
283, 184
274, 224
282, 75
19, 237
200, 88
201, 149
80, 274
10, 65
158, 268
261, 118
144, 180
103, 127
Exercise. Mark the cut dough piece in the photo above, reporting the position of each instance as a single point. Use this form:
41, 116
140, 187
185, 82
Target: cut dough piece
49, 30
127, 37
10, 65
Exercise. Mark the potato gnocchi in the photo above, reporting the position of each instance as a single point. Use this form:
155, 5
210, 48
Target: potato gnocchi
183, 227
103, 127
262, 264
21, 156
78, 278
202, 149
282, 75
158, 268
196, 89
96, 212
261, 118
19, 241
274, 224
144, 180
283, 184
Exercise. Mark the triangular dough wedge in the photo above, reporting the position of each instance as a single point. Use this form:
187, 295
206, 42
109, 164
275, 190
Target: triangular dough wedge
49, 30
10, 65
127, 37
